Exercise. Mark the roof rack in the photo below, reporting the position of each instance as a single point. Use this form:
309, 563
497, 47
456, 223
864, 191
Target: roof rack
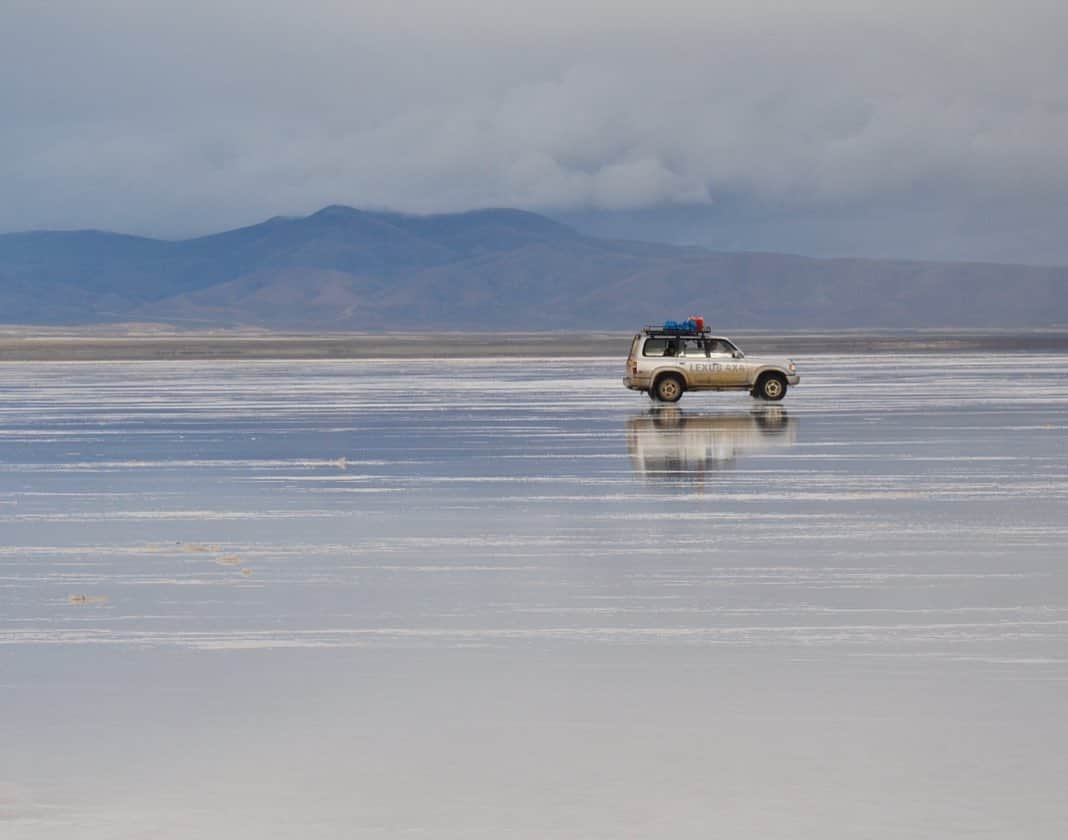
659, 329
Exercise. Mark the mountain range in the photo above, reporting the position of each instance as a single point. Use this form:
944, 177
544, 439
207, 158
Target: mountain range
348, 269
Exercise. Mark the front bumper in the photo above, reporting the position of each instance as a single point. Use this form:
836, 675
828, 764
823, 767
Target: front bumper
793, 379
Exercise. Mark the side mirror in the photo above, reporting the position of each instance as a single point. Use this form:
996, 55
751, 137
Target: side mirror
738, 354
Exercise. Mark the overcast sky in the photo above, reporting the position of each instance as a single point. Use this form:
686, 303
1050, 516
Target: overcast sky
924, 129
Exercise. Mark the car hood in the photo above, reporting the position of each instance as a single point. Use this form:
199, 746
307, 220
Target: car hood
771, 361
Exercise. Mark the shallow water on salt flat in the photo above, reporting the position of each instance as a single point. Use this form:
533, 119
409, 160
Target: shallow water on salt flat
472, 597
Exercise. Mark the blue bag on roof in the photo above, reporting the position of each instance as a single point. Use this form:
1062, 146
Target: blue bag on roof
689, 326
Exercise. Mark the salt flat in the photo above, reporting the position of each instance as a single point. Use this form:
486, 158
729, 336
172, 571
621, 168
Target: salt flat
486, 598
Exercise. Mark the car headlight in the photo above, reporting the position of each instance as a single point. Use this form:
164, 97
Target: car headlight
792, 368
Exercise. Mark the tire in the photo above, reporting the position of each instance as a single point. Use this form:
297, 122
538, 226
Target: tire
651, 393
668, 388
771, 386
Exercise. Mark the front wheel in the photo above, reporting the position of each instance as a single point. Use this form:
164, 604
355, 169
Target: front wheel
668, 389
772, 386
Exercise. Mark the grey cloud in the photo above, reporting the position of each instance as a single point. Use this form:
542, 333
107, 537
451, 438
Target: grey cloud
174, 119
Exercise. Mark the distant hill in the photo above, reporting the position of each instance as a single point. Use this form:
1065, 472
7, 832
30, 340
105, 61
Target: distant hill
343, 268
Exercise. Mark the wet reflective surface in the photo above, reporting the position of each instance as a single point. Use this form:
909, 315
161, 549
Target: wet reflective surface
671, 443
255, 599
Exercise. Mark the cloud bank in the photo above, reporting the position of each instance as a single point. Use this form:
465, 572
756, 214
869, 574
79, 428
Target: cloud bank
174, 119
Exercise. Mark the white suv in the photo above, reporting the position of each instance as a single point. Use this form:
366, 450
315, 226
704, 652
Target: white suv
665, 362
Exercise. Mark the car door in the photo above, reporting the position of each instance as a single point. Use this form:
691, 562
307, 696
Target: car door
693, 359
726, 371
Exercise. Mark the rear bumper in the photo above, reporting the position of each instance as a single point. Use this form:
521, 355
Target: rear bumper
635, 383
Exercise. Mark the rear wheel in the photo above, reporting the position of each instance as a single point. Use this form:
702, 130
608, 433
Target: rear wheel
668, 388
772, 386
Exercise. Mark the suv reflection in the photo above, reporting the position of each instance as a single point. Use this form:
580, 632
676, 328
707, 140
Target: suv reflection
667, 441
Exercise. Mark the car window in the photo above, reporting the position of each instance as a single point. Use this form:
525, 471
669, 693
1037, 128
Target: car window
657, 347
693, 347
717, 346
